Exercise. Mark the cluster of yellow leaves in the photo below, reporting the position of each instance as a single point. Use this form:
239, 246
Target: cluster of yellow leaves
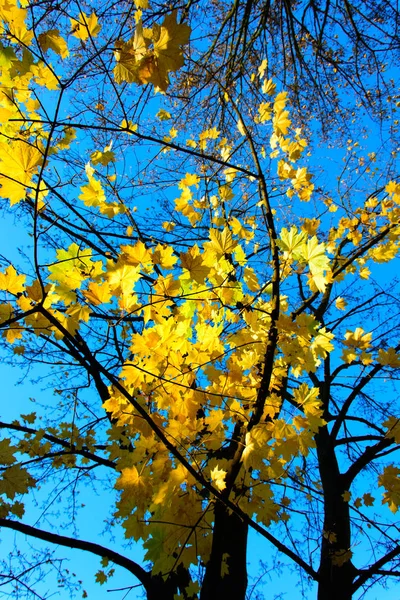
291, 146
152, 482
390, 480
298, 248
12, 22
22, 151
196, 363
93, 194
14, 479
303, 343
73, 267
151, 54
375, 215
357, 342
393, 427
173, 368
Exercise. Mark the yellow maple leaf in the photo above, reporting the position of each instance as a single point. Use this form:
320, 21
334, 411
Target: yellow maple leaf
238, 229
163, 115
44, 75
135, 485
346, 496
129, 126
138, 255
19, 161
168, 38
15, 480
280, 102
268, 87
92, 194
340, 303
393, 426
291, 240
71, 268
6, 311
330, 536
79, 312
281, 123
131, 58
168, 41
322, 343
222, 242
129, 477
388, 357
122, 277
348, 356
168, 226
164, 256
314, 254
368, 499
167, 286
391, 187
85, 26
214, 420
52, 40
188, 180
65, 142
265, 112
251, 280
192, 263
224, 565
138, 63
340, 557
14, 332
11, 282
101, 577
102, 158
218, 478
364, 273
7, 452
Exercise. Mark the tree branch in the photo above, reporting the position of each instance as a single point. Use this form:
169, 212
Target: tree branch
375, 568
69, 542
64, 443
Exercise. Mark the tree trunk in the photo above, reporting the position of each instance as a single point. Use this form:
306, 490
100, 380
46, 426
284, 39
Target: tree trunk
336, 571
161, 589
228, 550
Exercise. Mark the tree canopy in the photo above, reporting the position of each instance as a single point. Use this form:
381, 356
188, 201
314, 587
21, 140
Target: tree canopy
208, 285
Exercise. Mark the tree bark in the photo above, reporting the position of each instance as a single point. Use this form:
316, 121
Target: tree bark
228, 548
336, 571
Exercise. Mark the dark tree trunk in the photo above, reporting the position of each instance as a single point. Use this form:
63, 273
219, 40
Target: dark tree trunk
336, 571
161, 588
229, 543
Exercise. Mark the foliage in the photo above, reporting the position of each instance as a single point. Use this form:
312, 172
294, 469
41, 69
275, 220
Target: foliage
223, 341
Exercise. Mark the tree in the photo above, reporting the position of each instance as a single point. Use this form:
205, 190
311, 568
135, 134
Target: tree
222, 340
